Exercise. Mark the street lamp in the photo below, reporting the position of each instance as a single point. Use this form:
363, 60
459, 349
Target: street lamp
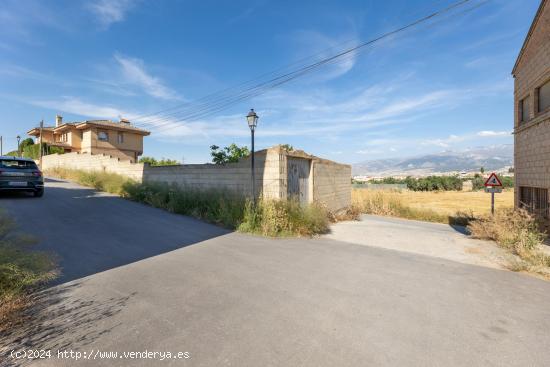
252, 119
18, 146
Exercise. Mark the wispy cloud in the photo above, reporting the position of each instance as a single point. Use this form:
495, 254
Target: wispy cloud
111, 11
134, 73
311, 46
493, 133
76, 106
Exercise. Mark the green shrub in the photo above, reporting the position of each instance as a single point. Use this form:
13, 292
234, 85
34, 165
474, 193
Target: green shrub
284, 218
268, 217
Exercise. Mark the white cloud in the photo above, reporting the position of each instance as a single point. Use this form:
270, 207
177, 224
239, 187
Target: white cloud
313, 46
133, 71
78, 107
111, 11
492, 133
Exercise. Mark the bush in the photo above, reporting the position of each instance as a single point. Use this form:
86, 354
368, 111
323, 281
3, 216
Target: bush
284, 218
33, 151
21, 269
434, 183
268, 217
518, 232
162, 162
513, 229
214, 206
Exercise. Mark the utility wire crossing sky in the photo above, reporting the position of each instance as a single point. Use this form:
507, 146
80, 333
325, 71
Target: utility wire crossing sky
383, 79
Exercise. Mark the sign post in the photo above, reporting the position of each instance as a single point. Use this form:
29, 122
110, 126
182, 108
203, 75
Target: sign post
493, 185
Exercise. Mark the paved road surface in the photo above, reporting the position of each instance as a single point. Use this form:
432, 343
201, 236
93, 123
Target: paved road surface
237, 300
431, 239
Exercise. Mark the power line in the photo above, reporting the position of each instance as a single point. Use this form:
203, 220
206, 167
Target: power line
205, 109
154, 117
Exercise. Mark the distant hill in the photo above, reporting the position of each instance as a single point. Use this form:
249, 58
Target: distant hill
492, 158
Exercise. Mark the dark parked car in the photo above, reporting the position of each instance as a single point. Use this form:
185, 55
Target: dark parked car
20, 174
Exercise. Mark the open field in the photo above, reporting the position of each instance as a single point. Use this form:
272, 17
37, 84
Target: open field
443, 202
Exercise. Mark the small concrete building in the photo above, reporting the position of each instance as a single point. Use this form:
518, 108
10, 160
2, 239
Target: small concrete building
532, 116
118, 139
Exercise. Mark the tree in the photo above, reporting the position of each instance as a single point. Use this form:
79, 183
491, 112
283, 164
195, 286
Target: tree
287, 147
482, 170
162, 162
26, 142
230, 154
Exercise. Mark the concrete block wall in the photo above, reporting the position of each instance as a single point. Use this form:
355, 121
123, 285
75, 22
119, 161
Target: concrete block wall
332, 184
234, 177
92, 162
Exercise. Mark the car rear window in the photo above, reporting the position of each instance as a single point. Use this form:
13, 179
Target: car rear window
13, 163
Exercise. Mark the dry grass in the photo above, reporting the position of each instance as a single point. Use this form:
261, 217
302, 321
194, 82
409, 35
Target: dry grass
397, 204
445, 203
268, 218
22, 270
517, 232
102, 181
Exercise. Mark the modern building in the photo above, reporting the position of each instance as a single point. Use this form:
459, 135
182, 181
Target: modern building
118, 139
532, 116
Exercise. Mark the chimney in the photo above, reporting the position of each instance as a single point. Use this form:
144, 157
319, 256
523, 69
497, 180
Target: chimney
124, 121
58, 120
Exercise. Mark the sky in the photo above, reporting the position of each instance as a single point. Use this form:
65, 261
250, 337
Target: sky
445, 85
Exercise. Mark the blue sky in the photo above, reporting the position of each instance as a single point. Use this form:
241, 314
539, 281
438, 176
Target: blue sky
443, 86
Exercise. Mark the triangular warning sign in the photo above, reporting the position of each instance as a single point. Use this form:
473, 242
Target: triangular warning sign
493, 180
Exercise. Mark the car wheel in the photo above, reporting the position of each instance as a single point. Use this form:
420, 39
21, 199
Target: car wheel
39, 193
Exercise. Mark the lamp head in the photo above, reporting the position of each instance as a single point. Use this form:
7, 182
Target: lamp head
252, 119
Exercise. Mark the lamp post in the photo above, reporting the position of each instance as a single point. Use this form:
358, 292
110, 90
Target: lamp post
18, 146
252, 119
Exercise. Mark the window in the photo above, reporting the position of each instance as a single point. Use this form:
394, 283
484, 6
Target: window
524, 110
120, 138
103, 136
543, 93
534, 200
13, 163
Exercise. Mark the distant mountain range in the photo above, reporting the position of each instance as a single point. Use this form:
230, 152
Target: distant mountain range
492, 158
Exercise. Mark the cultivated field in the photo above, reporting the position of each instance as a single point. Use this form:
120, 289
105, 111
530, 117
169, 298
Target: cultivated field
445, 203
450, 202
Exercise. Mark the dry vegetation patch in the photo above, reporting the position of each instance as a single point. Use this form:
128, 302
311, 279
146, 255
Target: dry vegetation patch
22, 270
518, 232
268, 217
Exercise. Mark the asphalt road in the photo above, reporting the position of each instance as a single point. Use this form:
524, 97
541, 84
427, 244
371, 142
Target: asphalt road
166, 283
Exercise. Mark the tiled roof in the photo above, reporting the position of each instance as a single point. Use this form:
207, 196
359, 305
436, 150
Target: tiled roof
82, 124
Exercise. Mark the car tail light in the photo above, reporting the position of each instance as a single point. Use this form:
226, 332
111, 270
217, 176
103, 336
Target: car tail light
37, 173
